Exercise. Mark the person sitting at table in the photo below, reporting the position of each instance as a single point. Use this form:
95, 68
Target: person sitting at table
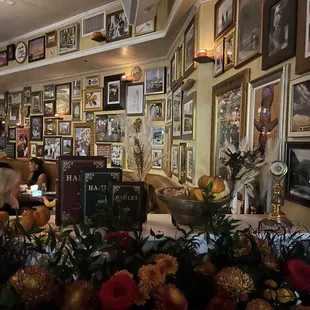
37, 174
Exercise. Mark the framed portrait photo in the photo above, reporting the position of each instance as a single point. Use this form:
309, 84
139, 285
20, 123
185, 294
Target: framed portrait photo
190, 159
109, 128
219, 58
36, 128
63, 99
48, 92
51, 38
146, 27
176, 113
83, 139
36, 49
114, 92
49, 108
229, 51
52, 148
224, 17
156, 109
135, 99
77, 86
92, 99
76, 110
158, 136
4, 58
155, 81
50, 126
67, 146
157, 163
36, 103
68, 39
190, 47
64, 128
117, 26
188, 116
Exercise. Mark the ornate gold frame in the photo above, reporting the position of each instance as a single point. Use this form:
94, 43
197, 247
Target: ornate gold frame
92, 141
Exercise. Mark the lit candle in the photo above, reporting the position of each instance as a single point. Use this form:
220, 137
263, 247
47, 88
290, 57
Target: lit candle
124, 78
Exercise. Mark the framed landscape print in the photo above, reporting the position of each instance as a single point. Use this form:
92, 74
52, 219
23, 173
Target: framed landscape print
299, 108
68, 39
249, 30
51, 38
297, 179
63, 99
117, 156
135, 99
92, 81
92, 99
190, 47
229, 51
77, 86
117, 26
67, 146
175, 160
279, 32
22, 143
156, 109
114, 92
76, 110
36, 49
83, 139
36, 103
176, 113
224, 17
219, 58
145, 28
188, 116
52, 148
157, 164
190, 159
155, 81
168, 113
49, 108
4, 61
109, 128
50, 126
36, 128
64, 128
158, 136
48, 92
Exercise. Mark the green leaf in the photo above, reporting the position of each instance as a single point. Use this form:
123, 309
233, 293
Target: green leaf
208, 188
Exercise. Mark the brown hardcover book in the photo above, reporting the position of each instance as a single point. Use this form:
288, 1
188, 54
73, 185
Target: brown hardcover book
69, 168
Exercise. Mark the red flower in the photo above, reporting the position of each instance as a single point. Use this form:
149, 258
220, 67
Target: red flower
122, 237
299, 274
118, 293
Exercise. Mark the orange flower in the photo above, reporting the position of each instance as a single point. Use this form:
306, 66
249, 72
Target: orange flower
126, 272
167, 264
150, 277
206, 268
169, 297
141, 297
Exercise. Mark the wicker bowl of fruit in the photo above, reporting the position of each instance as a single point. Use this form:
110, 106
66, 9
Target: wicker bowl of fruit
185, 203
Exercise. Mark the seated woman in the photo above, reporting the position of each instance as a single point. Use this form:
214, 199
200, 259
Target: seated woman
37, 174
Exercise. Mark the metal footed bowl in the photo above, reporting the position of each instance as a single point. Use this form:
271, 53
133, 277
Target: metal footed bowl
185, 210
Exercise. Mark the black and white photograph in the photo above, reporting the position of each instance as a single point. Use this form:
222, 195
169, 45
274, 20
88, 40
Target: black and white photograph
68, 39
33, 150
176, 113
229, 51
49, 108
298, 176
64, 128
156, 109
145, 28
36, 103
114, 92
36, 128
76, 110
179, 61
27, 95
189, 48
190, 164
188, 117
135, 99
77, 88
109, 128
157, 164
182, 163
89, 117
50, 126
158, 136
116, 156
52, 148
67, 146
48, 92
155, 81
219, 58
63, 99
16, 98
224, 13
175, 160
92, 81
117, 26
168, 113
12, 134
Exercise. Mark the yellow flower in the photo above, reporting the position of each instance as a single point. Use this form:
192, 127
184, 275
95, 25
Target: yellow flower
270, 294
142, 297
126, 272
167, 264
150, 277
170, 297
285, 295
271, 283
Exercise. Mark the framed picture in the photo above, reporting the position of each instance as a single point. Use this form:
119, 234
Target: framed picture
36, 128
114, 92
167, 150
33, 150
145, 28
67, 146
158, 136
22, 143
179, 61
21, 52
36, 49
49, 108
229, 106
297, 179
27, 122
267, 110
117, 26
190, 160
92, 99
168, 75
4, 58
15, 115
27, 95
157, 164
109, 128
182, 163
249, 30
89, 116
105, 151
48, 92
83, 139
188, 116
12, 133
135, 99
299, 112
173, 70
52, 148
10, 151
136, 74
64, 128
155, 81
36, 103
63, 99
68, 39
11, 52
15, 98
156, 109
92, 81
168, 113
175, 160
76, 110
229, 51
190, 47
77, 88
224, 17
279, 32
51, 38
40, 151
176, 113
50, 126
116, 156
219, 58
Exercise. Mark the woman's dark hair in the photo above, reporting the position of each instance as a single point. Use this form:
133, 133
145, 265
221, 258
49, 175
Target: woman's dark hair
37, 161
5, 165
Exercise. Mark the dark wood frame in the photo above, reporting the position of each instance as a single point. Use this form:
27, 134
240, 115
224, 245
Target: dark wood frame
56, 90
107, 28
62, 145
290, 145
143, 100
30, 155
54, 123
13, 147
193, 150
29, 44
77, 35
39, 110
192, 96
121, 104
31, 138
72, 109
7, 60
92, 142
193, 66
217, 44
290, 50
64, 121
239, 80
11, 129
51, 33
54, 108
12, 46
181, 92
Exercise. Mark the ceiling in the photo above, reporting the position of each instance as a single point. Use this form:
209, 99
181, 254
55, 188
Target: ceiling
28, 15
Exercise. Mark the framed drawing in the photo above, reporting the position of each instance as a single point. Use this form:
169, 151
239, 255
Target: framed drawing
51, 39
22, 143
109, 128
249, 30
83, 139
167, 150
168, 113
155, 81
50, 126
219, 58
49, 108
157, 164
297, 179
92, 99
135, 99
279, 32
156, 109
33, 150
92, 81
158, 136
67, 146
229, 51
117, 26
36, 128
176, 113
52, 148
68, 39
188, 117
48, 92
77, 86
63, 99
267, 110
175, 160
229, 108
190, 160
76, 110
145, 28
21, 52
64, 128
114, 92
224, 17
117, 155
36, 103
36, 49
190, 47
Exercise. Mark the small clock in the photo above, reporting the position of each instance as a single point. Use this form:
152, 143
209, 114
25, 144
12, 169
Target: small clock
278, 168
136, 74
21, 52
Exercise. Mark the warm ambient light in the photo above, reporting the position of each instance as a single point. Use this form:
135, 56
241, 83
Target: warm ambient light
58, 116
202, 56
126, 78
19, 125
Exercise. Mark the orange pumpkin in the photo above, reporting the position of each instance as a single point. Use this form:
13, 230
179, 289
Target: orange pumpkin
218, 184
26, 222
4, 216
41, 216
204, 181
198, 194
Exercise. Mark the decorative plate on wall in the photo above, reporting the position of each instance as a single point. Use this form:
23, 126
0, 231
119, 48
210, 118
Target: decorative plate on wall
21, 52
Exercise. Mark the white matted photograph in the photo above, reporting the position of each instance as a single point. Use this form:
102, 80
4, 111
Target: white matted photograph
135, 99
77, 88
155, 81
116, 156
158, 136
114, 88
157, 164
52, 148
155, 109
